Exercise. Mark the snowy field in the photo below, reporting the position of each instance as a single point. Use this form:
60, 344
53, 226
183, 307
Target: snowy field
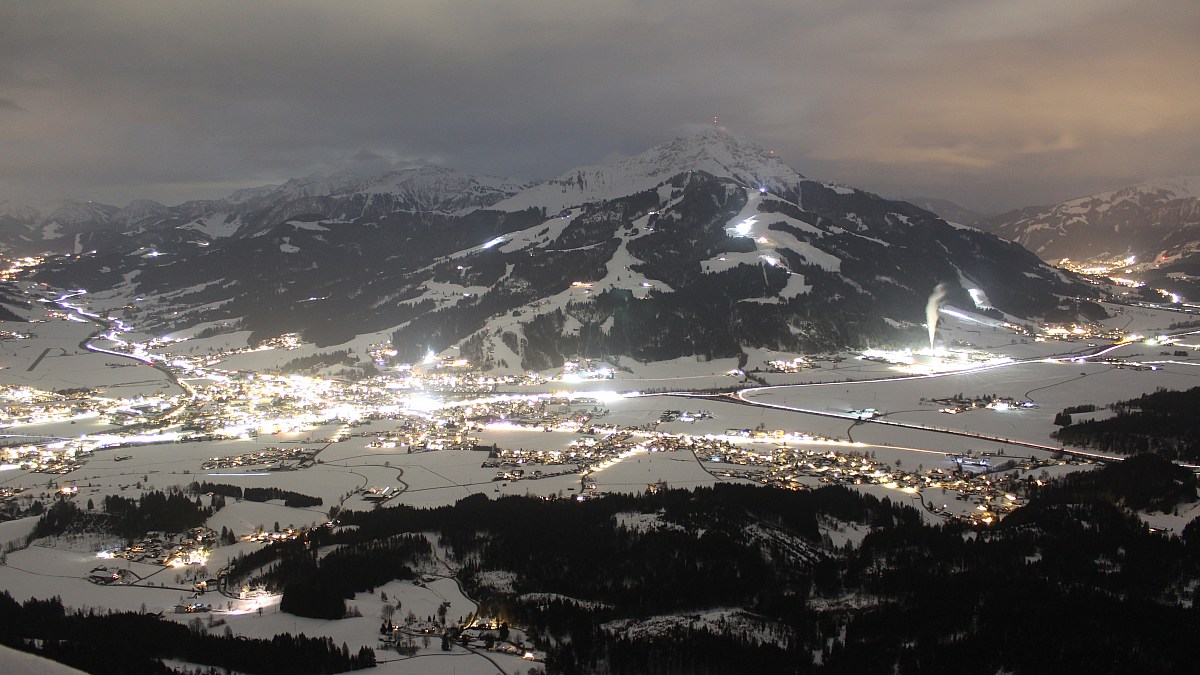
52, 358
1052, 386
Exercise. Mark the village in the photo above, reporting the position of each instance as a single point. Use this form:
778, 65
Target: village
444, 405
397, 428
170, 550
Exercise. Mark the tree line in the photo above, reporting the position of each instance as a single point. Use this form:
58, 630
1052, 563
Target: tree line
1162, 423
129, 518
257, 494
119, 643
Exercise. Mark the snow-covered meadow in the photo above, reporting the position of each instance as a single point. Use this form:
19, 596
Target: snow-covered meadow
636, 396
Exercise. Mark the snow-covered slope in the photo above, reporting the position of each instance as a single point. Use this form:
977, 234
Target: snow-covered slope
50, 226
426, 188
142, 211
68, 227
1155, 220
13, 662
348, 196
711, 150
702, 246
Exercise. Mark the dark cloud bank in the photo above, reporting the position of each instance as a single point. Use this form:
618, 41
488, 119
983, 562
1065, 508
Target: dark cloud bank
994, 103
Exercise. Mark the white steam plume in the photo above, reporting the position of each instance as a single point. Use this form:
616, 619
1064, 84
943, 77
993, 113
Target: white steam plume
931, 311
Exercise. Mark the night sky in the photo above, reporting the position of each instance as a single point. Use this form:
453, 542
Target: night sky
995, 104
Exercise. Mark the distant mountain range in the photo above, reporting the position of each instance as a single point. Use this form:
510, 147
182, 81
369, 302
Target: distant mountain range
703, 246
72, 227
41, 227
947, 209
1155, 221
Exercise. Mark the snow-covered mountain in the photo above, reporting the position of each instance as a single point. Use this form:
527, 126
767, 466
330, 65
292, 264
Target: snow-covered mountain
703, 246
1155, 220
426, 188
141, 212
50, 226
347, 196
68, 227
712, 151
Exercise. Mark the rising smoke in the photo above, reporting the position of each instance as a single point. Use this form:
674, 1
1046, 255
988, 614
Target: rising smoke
931, 311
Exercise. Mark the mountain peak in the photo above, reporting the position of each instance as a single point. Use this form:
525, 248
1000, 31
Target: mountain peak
711, 150
711, 136
717, 151
140, 211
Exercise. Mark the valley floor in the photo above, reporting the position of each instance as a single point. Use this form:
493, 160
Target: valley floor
807, 417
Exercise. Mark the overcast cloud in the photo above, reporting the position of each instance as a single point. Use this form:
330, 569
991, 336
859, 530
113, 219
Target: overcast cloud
992, 103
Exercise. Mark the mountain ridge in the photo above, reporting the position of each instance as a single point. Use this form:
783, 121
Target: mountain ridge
710, 150
693, 263
1154, 221
73, 226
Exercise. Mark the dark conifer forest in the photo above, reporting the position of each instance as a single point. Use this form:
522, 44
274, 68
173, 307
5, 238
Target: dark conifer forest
1073, 580
130, 643
1163, 423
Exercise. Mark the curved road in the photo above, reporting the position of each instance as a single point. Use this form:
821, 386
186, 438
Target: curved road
745, 395
107, 326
